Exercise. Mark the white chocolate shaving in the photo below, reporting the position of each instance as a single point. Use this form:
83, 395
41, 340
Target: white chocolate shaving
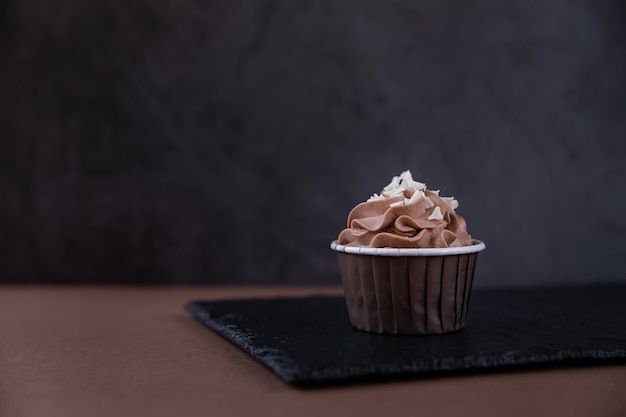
395, 182
417, 195
451, 202
376, 197
402, 183
394, 192
436, 215
409, 183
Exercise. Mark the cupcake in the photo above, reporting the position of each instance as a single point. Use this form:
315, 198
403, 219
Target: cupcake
407, 261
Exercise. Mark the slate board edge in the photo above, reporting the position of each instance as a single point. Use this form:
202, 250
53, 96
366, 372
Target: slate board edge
271, 358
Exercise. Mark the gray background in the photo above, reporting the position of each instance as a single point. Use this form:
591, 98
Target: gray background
226, 141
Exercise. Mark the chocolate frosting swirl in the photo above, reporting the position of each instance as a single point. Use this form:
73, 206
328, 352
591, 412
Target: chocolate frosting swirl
380, 224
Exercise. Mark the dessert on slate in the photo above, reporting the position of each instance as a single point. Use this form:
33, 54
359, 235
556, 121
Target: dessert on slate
407, 261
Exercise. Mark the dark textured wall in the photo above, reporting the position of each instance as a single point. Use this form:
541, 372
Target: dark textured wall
226, 141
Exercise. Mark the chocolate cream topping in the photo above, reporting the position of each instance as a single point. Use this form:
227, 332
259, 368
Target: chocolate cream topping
406, 215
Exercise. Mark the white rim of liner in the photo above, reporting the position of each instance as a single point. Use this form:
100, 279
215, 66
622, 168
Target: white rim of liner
359, 250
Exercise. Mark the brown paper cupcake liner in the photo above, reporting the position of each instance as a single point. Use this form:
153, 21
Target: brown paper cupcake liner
407, 294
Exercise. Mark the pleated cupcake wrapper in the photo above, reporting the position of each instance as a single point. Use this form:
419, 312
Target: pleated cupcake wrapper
407, 294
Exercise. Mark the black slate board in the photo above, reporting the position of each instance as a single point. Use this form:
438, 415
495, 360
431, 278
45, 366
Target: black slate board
309, 341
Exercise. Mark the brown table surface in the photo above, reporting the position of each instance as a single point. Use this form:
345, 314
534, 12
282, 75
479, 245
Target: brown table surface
133, 351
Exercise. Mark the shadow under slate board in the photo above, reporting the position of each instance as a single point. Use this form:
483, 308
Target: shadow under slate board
309, 341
